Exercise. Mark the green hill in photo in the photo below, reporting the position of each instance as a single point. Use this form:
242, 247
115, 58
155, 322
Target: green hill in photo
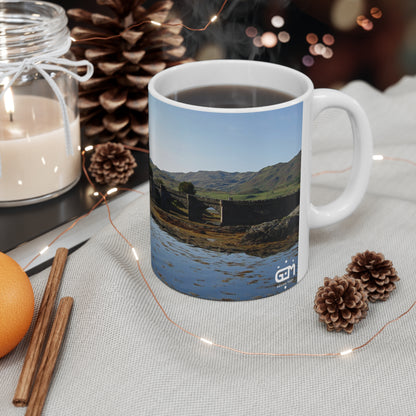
271, 181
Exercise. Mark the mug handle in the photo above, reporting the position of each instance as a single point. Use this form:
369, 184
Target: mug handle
348, 201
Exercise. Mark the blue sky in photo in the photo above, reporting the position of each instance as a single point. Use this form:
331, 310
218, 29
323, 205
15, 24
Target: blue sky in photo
184, 140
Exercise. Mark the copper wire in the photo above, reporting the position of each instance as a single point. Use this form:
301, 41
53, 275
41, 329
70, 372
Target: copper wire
172, 321
136, 25
396, 159
66, 230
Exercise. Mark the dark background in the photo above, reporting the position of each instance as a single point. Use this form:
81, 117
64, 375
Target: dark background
380, 56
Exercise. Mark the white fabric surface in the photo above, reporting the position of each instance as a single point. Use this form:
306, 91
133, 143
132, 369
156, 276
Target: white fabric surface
122, 357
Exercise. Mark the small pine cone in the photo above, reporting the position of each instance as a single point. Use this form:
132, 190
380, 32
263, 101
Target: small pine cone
112, 164
341, 303
376, 274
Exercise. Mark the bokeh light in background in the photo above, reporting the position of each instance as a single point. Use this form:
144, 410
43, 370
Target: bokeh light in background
308, 60
312, 50
328, 39
312, 38
251, 31
344, 12
258, 42
327, 53
277, 21
319, 48
368, 25
269, 39
283, 36
365, 23
332, 41
376, 13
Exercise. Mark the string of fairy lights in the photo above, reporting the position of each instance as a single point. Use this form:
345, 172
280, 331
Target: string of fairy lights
160, 24
104, 200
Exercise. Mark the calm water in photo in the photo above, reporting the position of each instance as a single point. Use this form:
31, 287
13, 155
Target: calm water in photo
220, 276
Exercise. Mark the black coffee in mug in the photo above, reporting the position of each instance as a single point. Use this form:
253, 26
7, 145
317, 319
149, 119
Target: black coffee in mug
230, 96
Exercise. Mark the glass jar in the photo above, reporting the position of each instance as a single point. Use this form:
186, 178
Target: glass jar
40, 149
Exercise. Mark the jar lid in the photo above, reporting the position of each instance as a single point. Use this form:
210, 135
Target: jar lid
30, 28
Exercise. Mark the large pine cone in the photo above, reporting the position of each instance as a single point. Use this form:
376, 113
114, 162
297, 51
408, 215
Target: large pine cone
341, 303
112, 164
376, 274
113, 103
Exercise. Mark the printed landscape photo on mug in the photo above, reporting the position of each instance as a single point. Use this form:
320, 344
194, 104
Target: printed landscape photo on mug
221, 210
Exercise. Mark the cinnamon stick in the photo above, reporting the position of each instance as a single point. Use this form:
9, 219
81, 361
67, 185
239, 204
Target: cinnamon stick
27, 376
47, 365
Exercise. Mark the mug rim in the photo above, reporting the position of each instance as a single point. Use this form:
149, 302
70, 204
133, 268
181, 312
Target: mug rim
153, 91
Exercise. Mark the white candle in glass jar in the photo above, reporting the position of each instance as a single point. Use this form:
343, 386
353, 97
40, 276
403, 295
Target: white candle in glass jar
33, 155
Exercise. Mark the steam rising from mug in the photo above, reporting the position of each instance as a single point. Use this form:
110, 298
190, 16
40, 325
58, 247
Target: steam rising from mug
226, 38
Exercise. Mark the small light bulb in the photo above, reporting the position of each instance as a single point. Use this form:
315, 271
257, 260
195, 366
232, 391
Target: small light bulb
214, 18
44, 250
135, 253
96, 193
88, 148
73, 39
111, 191
155, 23
378, 157
346, 352
207, 341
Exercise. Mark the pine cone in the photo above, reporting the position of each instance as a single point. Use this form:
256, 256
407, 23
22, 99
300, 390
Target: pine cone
375, 272
112, 164
341, 303
113, 103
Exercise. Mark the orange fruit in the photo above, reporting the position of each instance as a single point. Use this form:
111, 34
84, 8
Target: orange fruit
17, 304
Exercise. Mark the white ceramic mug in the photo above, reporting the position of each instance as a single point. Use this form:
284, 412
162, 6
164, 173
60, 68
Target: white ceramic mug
225, 225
